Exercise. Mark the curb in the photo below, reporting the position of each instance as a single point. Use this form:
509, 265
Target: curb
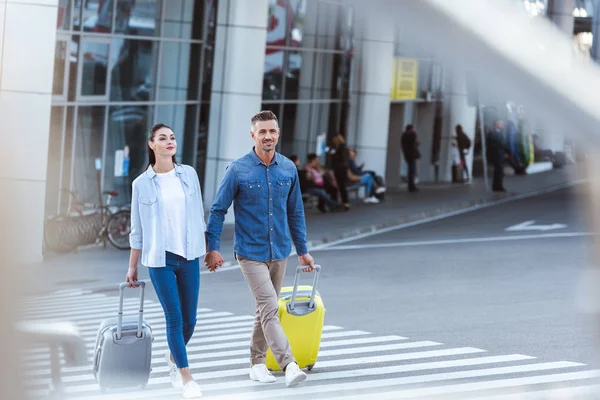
455, 208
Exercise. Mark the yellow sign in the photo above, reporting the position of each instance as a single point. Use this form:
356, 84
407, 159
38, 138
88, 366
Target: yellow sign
405, 79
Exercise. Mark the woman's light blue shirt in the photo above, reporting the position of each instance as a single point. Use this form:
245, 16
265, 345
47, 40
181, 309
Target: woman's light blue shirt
147, 225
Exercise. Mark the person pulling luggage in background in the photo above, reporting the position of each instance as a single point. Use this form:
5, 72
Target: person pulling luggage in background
167, 229
264, 188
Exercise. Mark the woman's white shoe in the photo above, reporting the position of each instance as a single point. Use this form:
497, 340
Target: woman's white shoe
174, 374
191, 390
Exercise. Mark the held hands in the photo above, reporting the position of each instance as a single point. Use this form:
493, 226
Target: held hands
306, 259
213, 260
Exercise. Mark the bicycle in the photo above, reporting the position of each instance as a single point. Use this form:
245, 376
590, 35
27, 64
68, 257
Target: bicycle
87, 223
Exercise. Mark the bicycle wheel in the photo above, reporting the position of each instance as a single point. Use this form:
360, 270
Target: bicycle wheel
118, 229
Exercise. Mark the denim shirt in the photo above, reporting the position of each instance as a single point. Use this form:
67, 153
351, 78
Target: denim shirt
147, 217
267, 205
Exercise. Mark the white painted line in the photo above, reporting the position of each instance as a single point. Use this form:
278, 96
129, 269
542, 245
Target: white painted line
58, 295
159, 359
87, 312
591, 392
211, 364
155, 315
158, 356
476, 386
208, 376
466, 387
340, 387
457, 241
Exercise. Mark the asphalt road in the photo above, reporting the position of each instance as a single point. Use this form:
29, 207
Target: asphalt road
463, 283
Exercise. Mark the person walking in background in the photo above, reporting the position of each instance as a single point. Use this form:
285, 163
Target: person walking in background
167, 230
339, 161
496, 153
264, 188
410, 148
464, 144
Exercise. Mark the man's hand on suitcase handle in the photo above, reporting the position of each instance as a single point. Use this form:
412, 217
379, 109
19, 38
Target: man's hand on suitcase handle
306, 259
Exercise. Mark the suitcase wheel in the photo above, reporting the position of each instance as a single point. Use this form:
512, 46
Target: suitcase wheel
310, 367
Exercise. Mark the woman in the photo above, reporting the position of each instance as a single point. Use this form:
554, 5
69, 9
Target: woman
167, 230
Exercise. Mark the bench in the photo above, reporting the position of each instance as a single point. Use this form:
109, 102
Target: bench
356, 191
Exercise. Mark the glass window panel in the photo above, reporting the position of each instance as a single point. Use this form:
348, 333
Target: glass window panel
133, 71
93, 15
297, 12
310, 76
302, 123
67, 158
89, 137
182, 119
63, 18
184, 19
273, 74
60, 64
128, 130
94, 65
277, 23
179, 71
140, 17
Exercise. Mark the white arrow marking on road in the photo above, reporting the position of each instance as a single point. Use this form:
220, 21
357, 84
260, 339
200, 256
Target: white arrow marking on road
529, 226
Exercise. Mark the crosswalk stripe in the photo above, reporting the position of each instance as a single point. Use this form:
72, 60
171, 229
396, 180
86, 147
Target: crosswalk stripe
462, 387
207, 376
335, 387
153, 317
89, 309
198, 337
590, 391
157, 355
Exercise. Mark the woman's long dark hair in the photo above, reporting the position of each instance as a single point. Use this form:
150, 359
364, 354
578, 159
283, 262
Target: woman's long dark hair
151, 155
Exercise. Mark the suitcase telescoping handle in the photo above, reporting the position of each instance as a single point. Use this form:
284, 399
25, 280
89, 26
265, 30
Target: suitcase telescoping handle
122, 287
311, 302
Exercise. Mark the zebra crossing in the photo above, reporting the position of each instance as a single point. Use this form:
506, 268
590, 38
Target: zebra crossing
352, 364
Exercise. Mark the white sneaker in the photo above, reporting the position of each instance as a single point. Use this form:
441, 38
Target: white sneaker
293, 374
380, 190
373, 200
174, 374
191, 390
261, 373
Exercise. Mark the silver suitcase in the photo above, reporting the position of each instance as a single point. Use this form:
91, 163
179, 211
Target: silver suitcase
123, 351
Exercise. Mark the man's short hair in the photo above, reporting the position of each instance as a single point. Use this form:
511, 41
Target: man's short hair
311, 156
265, 115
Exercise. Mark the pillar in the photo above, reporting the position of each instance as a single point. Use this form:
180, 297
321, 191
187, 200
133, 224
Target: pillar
236, 87
560, 12
456, 111
370, 92
27, 42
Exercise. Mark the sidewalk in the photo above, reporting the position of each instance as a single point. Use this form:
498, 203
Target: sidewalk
98, 267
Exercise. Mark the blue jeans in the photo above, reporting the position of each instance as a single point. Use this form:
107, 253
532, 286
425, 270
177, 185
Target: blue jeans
369, 182
177, 286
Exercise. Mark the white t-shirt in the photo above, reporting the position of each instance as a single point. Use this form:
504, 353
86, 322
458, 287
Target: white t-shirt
173, 197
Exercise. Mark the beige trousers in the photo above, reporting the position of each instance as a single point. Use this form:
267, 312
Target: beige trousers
264, 280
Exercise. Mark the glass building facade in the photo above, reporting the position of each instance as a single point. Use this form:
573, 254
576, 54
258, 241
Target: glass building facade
307, 70
123, 65
120, 66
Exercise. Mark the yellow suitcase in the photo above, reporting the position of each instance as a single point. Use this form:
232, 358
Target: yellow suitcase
302, 314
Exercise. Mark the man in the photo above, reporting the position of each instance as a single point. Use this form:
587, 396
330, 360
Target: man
496, 152
265, 190
410, 148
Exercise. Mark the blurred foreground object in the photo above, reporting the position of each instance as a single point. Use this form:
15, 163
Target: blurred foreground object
61, 337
